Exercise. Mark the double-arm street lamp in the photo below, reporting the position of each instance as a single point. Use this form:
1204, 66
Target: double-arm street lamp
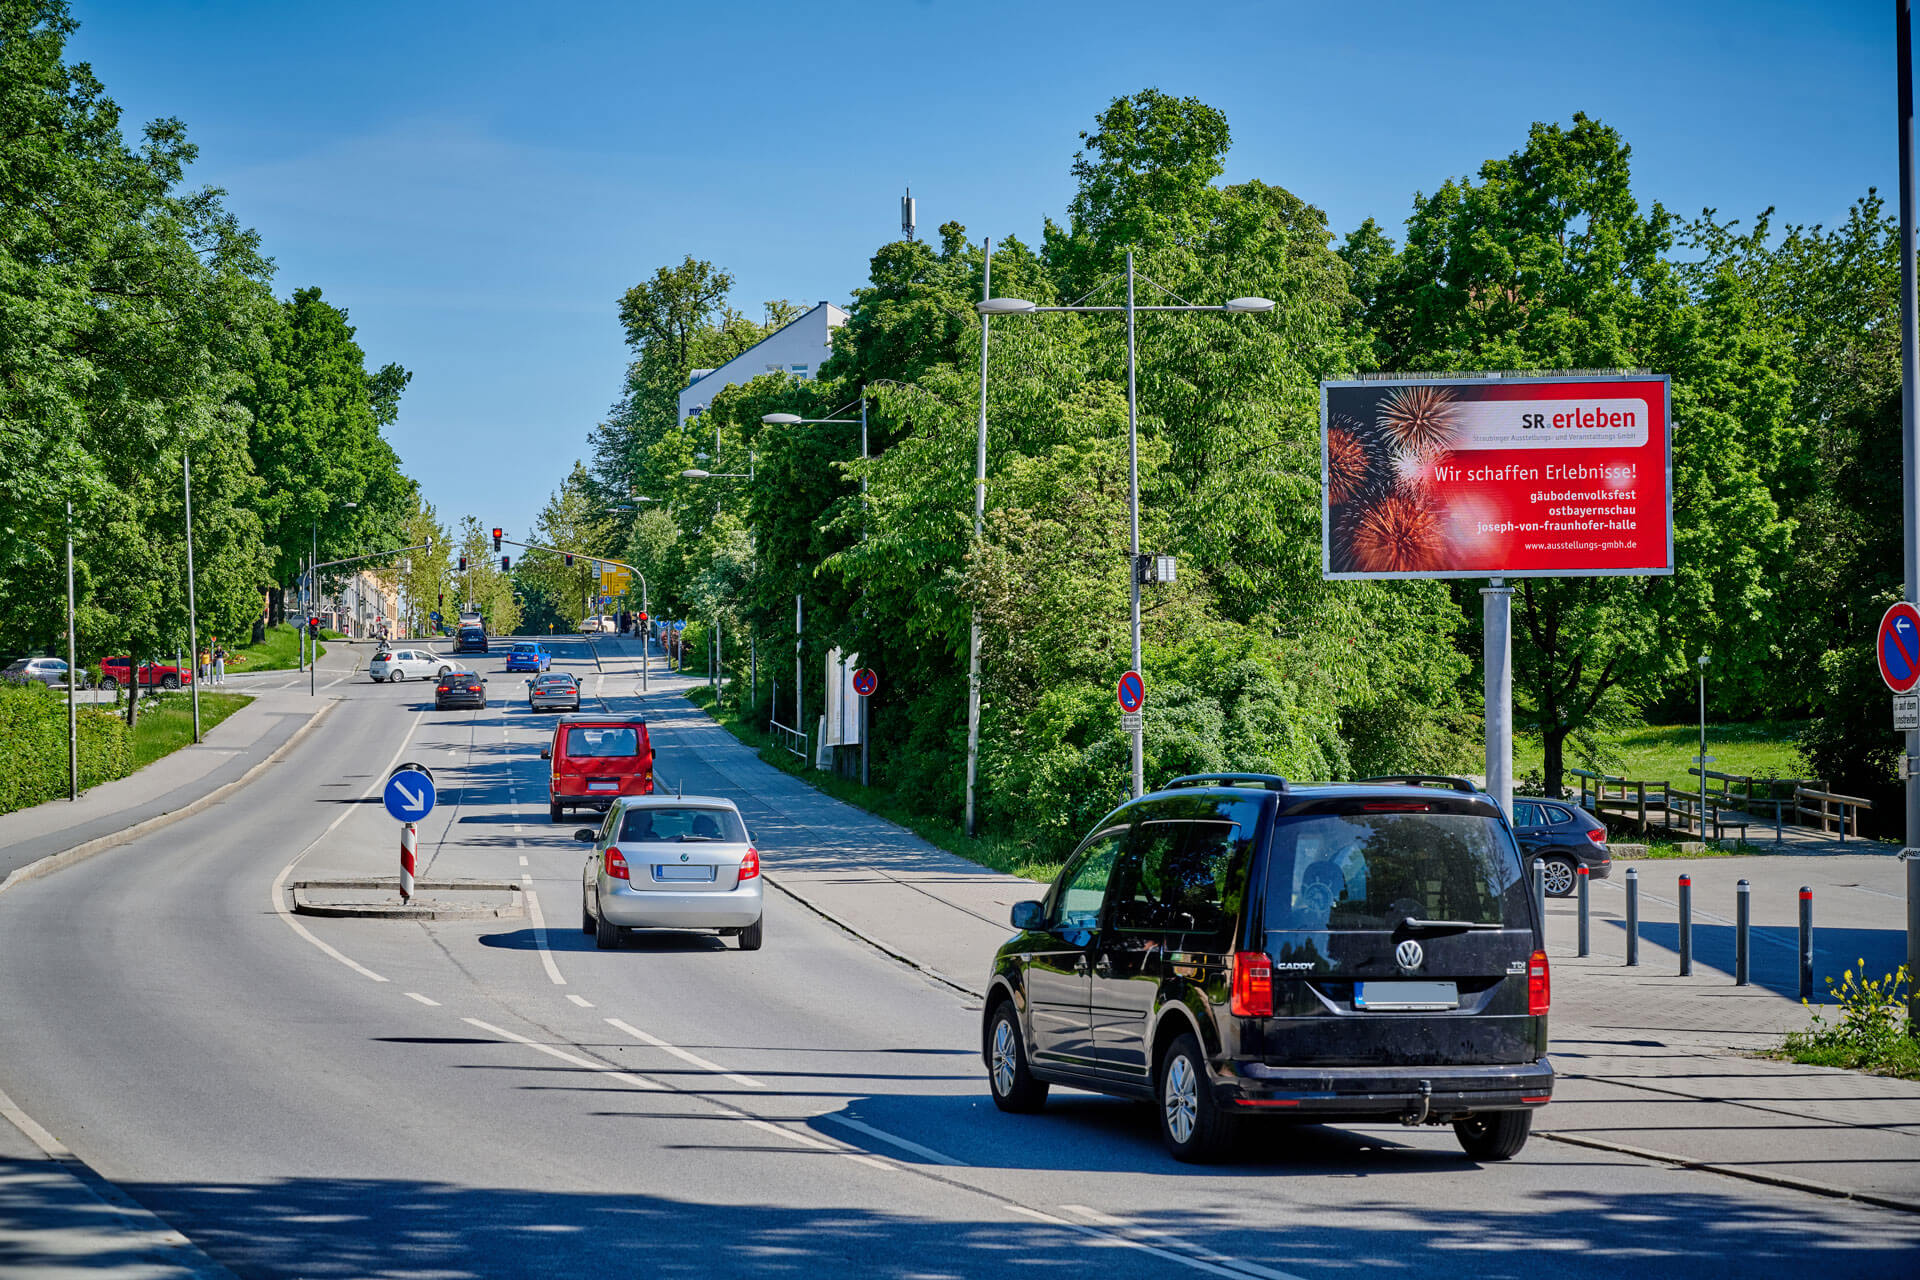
991, 306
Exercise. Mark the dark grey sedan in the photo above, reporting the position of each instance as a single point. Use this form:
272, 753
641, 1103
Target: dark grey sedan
460, 689
553, 691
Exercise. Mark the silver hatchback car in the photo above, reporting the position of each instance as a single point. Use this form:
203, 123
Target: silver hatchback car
671, 862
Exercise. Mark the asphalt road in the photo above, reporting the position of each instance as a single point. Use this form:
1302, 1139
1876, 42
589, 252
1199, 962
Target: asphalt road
313, 1097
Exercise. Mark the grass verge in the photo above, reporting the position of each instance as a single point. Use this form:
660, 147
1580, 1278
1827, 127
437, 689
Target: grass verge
986, 851
1664, 752
166, 722
280, 651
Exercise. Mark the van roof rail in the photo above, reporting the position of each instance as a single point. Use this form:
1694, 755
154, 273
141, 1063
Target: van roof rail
1271, 781
1427, 779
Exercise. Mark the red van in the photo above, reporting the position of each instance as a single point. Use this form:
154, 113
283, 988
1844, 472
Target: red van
596, 760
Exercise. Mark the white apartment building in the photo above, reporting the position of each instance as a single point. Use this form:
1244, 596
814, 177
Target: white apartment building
797, 350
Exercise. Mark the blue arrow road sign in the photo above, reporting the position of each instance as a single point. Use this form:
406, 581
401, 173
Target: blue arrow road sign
680, 626
409, 795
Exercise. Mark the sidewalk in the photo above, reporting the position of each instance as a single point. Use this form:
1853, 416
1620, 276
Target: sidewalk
172, 782
1650, 1064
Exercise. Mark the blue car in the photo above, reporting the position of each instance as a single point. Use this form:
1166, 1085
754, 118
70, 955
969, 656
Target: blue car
529, 657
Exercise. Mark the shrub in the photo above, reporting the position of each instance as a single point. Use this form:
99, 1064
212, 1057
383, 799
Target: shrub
33, 724
1873, 1031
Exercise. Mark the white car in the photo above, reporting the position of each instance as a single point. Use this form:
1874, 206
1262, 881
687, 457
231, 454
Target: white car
596, 624
408, 664
670, 862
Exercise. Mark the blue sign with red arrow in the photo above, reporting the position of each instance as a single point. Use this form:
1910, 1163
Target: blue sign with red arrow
1898, 647
1133, 691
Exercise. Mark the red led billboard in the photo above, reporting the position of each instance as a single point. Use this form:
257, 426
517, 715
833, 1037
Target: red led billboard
1496, 477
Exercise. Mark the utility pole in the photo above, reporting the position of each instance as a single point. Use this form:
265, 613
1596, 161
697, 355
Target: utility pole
799, 673
73, 677
979, 525
193, 619
1133, 521
1909, 495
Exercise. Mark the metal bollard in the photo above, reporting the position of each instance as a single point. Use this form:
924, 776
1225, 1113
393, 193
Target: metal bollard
1581, 885
1806, 943
1686, 926
1539, 874
1742, 922
1633, 916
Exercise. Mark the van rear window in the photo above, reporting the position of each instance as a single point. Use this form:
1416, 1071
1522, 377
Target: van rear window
613, 740
1373, 870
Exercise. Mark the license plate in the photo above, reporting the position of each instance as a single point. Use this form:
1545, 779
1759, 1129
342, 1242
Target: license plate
674, 871
1406, 997
603, 786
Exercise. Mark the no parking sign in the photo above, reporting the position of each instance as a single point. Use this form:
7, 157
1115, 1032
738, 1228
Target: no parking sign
1898, 647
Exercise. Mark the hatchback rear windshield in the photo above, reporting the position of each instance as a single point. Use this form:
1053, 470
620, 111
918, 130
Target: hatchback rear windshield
682, 825
1373, 870
612, 740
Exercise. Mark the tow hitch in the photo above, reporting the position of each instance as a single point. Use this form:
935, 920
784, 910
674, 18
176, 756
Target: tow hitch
1416, 1112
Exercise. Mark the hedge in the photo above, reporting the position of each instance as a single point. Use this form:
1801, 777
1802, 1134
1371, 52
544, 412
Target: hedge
33, 735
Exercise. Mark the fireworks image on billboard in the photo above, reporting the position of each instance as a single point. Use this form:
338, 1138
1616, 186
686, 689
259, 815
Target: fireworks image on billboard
1510, 476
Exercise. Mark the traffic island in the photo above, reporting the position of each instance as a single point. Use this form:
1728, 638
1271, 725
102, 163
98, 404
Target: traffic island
378, 898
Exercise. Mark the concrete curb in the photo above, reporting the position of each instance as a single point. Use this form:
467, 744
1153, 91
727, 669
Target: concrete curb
79, 853
409, 911
1786, 1181
165, 1246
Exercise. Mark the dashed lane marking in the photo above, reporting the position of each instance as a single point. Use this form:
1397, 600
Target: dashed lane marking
582, 1001
905, 1144
415, 995
694, 1059
1112, 1240
1134, 1230
572, 1059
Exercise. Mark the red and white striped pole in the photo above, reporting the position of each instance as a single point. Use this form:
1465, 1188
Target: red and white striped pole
409, 841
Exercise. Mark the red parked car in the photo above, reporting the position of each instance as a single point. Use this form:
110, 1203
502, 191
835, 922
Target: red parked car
113, 674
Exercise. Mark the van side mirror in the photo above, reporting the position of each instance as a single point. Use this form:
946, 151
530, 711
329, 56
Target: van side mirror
1027, 915
546, 753
586, 835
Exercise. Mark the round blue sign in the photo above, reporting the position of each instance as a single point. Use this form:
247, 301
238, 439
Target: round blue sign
409, 795
1133, 691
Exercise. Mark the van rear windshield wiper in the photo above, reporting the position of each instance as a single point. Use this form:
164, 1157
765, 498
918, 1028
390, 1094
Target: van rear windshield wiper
1435, 926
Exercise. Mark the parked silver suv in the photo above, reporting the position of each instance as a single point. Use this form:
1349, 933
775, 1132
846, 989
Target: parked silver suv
51, 672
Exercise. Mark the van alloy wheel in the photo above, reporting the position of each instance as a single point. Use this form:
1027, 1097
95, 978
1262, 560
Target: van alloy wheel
1181, 1097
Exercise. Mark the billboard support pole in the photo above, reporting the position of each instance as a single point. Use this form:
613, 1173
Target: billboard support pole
1909, 498
1497, 622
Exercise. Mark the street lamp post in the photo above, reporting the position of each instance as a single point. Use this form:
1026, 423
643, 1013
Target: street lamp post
193, 617
795, 420
310, 600
992, 306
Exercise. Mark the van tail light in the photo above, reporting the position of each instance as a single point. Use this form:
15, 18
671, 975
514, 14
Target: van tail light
1539, 984
646, 782
617, 865
750, 865
1252, 985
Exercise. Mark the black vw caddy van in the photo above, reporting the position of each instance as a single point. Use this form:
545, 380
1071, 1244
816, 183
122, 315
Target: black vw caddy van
1235, 945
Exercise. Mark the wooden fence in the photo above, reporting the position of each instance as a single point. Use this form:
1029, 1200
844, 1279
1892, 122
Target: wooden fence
1734, 801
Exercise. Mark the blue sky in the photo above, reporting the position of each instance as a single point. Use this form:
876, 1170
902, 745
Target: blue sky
477, 183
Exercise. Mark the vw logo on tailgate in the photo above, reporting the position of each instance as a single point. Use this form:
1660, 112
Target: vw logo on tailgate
1409, 955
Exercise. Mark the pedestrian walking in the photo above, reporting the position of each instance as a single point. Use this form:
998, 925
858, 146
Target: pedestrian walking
219, 664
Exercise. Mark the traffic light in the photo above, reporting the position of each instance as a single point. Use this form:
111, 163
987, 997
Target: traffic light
313, 623
569, 559
643, 615
506, 563
463, 564
496, 539
443, 600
